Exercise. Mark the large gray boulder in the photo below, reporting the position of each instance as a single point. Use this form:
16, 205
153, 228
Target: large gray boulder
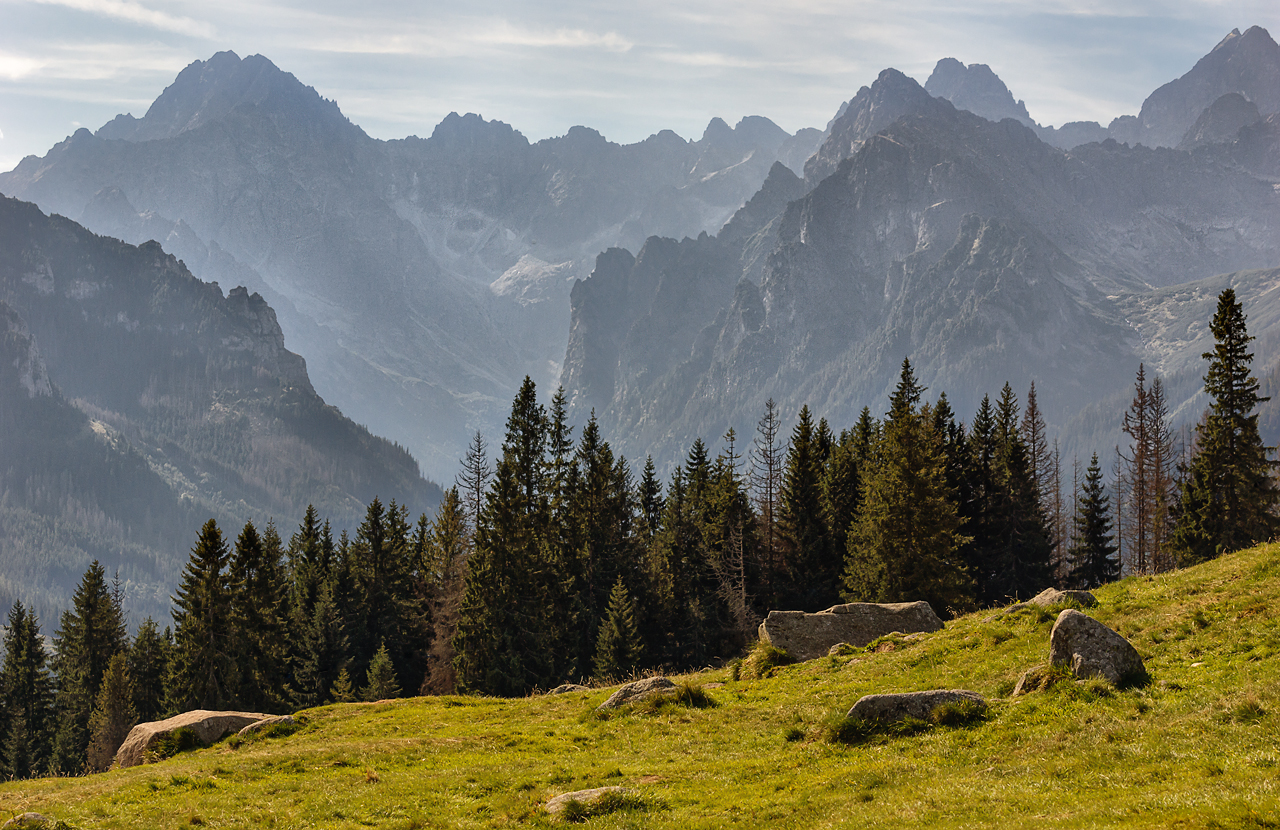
806, 636
1093, 650
637, 691
891, 708
208, 727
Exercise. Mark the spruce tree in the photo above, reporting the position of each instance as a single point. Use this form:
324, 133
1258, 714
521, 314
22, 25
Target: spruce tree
1228, 495
341, 691
203, 673
148, 664
381, 678
1093, 555
448, 546
618, 644
767, 460
650, 499
258, 601
473, 481
840, 495
27, 699
812, 570
905, 543
113, 715
92, 631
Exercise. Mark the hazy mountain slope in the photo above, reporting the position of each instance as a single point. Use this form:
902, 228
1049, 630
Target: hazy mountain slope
421, 278
191, 394
977, 89
972, 247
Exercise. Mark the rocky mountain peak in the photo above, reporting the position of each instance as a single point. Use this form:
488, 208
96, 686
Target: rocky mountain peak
1247, 63
975, 88
208, 91
1221, 121
890, 97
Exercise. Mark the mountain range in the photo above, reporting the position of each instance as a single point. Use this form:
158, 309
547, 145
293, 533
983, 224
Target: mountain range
673, 285
137, 401
421, 278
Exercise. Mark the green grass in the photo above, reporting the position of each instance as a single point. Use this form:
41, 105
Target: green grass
1195, 747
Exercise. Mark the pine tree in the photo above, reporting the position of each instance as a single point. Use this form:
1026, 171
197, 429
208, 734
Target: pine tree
1093, 555
113, 715
650, 499
728, 537
203, 673
1135, 470
618, 644
448, 544
27, 699
812, 570
92, 631
1019, 557
767, 460
840, 494
473, 481
148, 664
381, 678
341, 691
320, 652
1035, 437
258, 601
905, 543
1228, 496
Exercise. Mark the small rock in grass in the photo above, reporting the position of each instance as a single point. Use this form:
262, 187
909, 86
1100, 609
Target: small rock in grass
565, 688
1093, 650
258, 726
840, 650
557, 805
33, 821
639, 690
891, 708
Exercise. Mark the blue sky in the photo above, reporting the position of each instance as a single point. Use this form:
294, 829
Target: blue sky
629, 70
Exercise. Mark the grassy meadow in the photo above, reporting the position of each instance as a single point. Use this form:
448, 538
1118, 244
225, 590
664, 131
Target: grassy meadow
1197, 747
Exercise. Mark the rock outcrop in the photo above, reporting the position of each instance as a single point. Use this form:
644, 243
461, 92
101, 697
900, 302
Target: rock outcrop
891, 708
277, 720
637, 691
565, 688
557, 805
806, 636
1050, 597
208, 726
1093, 650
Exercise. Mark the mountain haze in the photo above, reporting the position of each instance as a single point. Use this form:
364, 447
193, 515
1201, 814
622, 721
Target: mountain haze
422, 278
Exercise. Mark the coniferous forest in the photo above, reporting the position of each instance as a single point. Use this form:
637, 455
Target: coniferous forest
562, 561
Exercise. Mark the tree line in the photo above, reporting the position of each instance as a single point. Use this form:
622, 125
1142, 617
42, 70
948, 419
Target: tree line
559, 563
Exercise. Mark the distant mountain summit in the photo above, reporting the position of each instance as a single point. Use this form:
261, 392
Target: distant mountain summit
977, 89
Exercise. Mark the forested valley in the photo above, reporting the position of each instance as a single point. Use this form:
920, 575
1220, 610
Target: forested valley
561, 562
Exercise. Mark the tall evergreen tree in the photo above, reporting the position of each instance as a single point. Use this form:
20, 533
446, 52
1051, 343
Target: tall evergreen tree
113, 715
905, 543
380, 680
92, 631
1093, 556
448, 546
27, 699
650, 499
767, 459
813, 570
841, 491
473, 481
1228, 496
148, 664
258, 616
202, 672
502, 642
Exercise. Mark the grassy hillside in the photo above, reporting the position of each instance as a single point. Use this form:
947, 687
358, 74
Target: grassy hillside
1195, 748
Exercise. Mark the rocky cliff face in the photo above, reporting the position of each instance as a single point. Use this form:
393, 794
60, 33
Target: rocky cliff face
971, 247
977, 89
153, 403
422, 278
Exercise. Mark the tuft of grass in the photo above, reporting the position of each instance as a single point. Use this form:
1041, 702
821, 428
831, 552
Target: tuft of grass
762, 661
182, 739
958, 713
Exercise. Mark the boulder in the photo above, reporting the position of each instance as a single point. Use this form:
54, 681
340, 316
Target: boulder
258, 726
1048, 598
31, 821
892, 708
1093, 650
806, 636
556, 805
639, 690
565, 688
208, 727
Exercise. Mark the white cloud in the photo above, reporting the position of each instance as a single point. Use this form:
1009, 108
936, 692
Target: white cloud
134, 12
14, 67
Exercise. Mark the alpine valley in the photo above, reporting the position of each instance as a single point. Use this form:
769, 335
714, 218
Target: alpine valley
671, 286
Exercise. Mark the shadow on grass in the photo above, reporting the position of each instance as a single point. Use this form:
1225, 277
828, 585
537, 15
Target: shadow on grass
842, 729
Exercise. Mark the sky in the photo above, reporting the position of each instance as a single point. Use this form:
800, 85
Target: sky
626, 69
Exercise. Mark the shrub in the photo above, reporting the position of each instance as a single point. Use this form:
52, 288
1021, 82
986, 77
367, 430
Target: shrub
182, 739
958, 713
610, 802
